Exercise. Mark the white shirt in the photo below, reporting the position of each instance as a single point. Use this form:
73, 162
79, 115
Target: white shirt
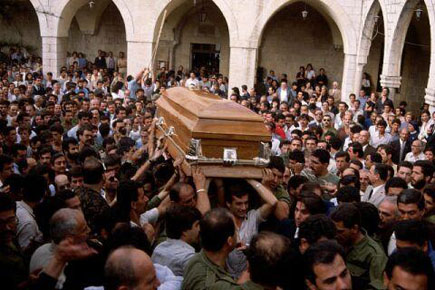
41, 257
283, 95
376, 196
167, 279
412, 158
192, 82
27, 228
377, 139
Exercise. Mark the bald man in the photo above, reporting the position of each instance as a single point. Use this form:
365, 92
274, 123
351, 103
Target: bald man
130, 268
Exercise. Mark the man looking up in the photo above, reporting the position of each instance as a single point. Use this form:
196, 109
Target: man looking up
247, 221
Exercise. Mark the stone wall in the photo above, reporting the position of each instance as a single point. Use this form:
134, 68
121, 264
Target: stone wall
289, 41
109, 36
415, 64
22, 28
260, 34
189, 30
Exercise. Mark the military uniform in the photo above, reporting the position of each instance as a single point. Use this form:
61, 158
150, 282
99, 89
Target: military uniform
328, 178
93, 205
201, 273
366, 262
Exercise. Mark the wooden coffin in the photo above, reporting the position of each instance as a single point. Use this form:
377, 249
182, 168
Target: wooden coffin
218, 123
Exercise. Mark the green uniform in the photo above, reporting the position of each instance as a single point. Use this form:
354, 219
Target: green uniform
13, 269
282, 195
201, 273
431, 219
366, 262
322, 180
252, 286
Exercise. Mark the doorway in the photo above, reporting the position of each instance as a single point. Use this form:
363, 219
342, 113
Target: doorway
205, 55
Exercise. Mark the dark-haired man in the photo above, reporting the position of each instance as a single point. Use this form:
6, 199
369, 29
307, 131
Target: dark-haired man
410, 203
182, 229
325, 267
365, 258
207, 269
409, 269
84, 119
247, 221
378, 176
421, 175
415, 234
315, 228
92, 202
28, 232
13, 269
274, 183
318, 172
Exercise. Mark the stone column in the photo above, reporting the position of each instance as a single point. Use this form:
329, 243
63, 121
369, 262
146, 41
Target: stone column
349, 74
243, 64
358, 77
429, 98
54, 54
139, 54
392, 83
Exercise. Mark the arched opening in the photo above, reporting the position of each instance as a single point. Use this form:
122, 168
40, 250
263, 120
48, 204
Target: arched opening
97, 28
373, 48
416, 60
194, 36
19, 27
289, 41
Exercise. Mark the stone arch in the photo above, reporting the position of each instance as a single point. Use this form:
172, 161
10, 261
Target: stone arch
18, 27
371, 17
331, 8
67, 9
181, 35
394, 48
171, 5
365, 39
430, 92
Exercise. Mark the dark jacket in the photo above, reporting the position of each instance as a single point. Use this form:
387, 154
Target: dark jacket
396, 150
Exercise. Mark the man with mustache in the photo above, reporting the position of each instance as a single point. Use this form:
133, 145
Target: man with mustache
421, 175
12, 266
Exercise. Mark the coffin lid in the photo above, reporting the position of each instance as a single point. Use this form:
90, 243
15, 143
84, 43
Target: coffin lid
208, 106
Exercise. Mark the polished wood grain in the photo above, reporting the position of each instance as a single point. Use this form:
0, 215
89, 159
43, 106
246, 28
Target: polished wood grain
219, 123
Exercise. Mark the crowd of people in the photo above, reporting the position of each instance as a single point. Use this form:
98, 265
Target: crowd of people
91, 199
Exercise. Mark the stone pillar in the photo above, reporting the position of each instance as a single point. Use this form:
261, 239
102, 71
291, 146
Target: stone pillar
171, 64
358, 78
242, 69
429, 98
139, 54
392, 83
54, 54
349, 74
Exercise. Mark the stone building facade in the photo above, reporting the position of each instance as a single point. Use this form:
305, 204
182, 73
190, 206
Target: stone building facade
388, 39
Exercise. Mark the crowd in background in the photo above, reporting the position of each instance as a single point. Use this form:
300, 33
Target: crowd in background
91, 199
